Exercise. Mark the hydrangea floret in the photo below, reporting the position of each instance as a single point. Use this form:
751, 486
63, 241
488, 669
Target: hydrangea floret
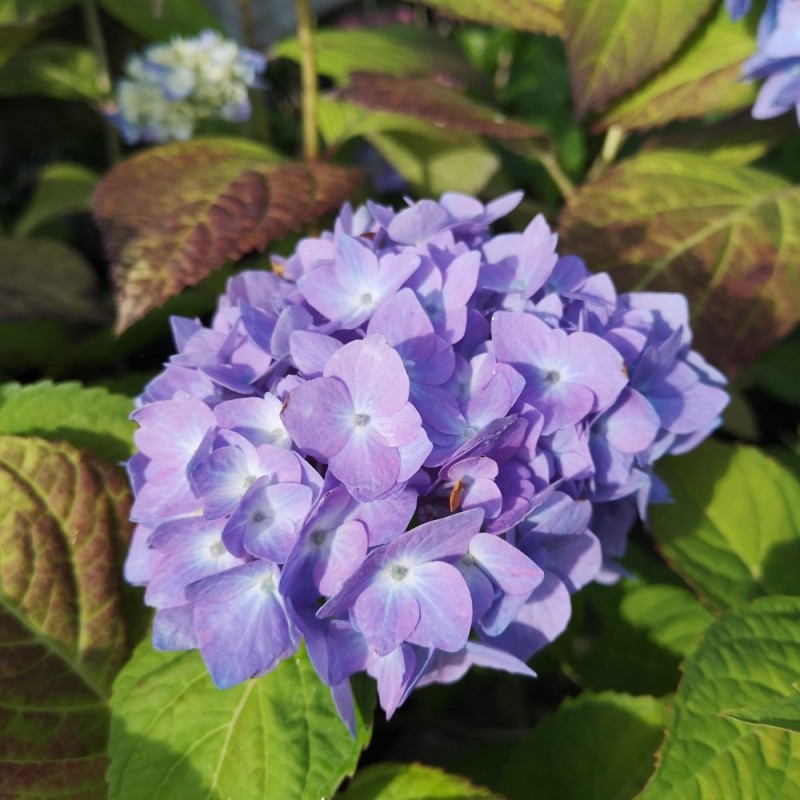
171, 87
777, 59
407, 446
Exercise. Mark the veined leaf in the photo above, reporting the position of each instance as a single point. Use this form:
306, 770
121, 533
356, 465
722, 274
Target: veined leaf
595, 747
174, 734
396, 50
613, 45
725, 236
537, 16
748, 658
63, 529
63, 188
734, 529
87, 417
412, 782
46, 279
781, 713
704, 78
172, 214
424, 98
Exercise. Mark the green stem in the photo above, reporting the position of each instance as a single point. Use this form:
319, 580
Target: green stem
549, 161
615, 138
94, 33
308, 78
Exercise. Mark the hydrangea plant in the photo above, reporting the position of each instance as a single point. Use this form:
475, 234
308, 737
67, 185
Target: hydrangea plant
170, 88
408, 445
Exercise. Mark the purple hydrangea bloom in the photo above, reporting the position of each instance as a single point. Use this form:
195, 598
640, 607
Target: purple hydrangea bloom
408, 450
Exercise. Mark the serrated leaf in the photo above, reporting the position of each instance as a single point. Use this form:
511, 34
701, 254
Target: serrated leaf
172, 214
87, 417
782, 713
63, 188
595, 747
46, 279
426, 99
161, 19
438, 161
613, 45
63, 530
395, 49
65, 71
725, 236
174, 734
749, 657
736, 140
537, 16
705, 77
412, 782
734, 529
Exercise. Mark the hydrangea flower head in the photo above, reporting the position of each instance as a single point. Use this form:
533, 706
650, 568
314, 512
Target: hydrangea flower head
171, 87
409, 450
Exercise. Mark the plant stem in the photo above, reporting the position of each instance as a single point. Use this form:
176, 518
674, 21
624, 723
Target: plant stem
308, 77
94, 33
615, 138
549, 161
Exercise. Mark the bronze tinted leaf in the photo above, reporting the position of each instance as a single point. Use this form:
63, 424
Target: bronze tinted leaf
434, 102
46, 279
63, 527
726, 236
613, 45
538, 16
172, 214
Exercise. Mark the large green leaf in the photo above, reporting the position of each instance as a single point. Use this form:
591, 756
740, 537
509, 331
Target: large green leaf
748, 658
90, 418
14, 35
174, 734
396, 50
613, 45
20, 10
172, 214
65, 71
63, 188
734, 529
160, 19
63, 528
438, 161
412, 782
538, 16
728, 237
596, 747
46, 279
704, 78
781, 713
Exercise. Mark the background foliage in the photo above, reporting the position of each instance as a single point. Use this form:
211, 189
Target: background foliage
625, 122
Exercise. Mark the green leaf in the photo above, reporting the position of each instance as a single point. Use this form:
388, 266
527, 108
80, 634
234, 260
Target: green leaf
412, 782
704, 78
90, 418
537, 16
63, 530
174, 734
46, 279
595, 747
778, 372
748, 658
21, 10
14, 36
728, 237
782, 713
734, 529
613, 45
64, 71
395, 49
438, 161
443, 106
161, 19
63, 188
172, 214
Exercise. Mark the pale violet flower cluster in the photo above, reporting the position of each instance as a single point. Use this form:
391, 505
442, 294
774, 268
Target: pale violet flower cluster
407, 446
170, 88
777, 59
